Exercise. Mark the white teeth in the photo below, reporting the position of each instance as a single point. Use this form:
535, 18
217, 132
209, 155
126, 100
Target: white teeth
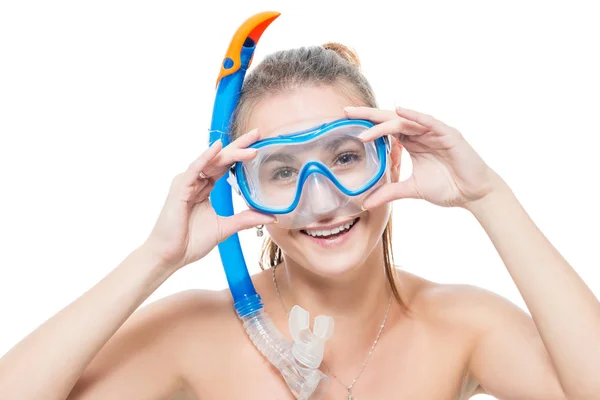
333, 231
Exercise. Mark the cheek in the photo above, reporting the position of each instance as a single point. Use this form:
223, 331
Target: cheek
280, 236
378, 219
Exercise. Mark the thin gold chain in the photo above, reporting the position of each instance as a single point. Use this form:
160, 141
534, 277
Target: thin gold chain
347, 387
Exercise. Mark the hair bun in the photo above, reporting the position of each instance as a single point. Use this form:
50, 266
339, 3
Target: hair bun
343, 51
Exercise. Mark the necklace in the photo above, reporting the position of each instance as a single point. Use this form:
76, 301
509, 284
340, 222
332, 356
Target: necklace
347, 387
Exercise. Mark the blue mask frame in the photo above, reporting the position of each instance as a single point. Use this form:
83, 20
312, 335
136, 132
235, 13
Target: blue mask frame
312, 167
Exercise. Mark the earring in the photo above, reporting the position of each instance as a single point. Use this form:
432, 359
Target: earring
259, 230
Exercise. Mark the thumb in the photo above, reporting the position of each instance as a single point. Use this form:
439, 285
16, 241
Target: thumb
241, 221
406, 189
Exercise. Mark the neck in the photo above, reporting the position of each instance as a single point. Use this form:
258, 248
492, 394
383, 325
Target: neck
357, 300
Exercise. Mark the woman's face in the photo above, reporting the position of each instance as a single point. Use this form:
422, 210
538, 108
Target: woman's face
301, 109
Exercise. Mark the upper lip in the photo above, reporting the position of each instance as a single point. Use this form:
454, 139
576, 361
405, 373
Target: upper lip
329, 226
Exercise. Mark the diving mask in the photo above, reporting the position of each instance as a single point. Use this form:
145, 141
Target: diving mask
318, 173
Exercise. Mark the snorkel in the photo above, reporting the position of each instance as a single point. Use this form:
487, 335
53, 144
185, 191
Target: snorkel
298, 362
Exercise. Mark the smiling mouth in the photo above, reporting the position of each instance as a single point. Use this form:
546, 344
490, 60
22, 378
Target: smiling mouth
330, 233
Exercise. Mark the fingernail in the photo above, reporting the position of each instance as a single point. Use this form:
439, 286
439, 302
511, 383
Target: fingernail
349, 108
364, 136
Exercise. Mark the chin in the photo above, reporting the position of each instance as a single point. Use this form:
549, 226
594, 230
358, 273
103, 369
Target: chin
334, 266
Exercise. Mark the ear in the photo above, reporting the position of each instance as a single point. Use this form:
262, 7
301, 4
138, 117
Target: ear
396, 157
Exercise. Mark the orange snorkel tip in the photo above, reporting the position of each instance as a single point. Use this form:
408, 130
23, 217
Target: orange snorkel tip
253, 29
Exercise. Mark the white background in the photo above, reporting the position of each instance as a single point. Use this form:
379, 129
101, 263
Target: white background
102, 103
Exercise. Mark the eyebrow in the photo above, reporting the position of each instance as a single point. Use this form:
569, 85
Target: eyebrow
281, 157
334, 144
331, 146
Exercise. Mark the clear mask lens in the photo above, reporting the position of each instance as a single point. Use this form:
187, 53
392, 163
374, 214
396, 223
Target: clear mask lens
310, 176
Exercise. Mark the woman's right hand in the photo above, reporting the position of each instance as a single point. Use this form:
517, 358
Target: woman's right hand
188, 228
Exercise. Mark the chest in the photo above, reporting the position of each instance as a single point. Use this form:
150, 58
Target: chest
418, 367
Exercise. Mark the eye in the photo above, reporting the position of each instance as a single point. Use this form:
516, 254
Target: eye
347, 159
283, 174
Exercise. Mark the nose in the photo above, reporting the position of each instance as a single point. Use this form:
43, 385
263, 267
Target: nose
320, 196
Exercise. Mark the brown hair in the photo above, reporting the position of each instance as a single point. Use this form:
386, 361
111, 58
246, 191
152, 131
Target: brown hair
331, 64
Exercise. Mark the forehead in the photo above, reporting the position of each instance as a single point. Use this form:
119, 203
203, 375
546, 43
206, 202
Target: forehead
296, 110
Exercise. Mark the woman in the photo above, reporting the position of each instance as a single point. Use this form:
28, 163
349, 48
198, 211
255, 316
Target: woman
396, 335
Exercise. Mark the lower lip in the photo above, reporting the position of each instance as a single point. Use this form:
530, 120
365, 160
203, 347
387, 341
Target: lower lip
334, 240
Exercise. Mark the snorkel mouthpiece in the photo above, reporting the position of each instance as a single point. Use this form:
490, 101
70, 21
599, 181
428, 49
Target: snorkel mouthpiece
298, 362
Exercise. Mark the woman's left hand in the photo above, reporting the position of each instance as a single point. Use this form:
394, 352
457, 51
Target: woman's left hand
446, 169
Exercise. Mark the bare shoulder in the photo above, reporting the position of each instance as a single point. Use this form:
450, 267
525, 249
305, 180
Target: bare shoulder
148, 353
472, 314
466, 305
193, 315
200, 320
497, 333
189, 305
201, 328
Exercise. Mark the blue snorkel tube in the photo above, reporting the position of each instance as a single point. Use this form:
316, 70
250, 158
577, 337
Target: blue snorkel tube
246, 300
305, 381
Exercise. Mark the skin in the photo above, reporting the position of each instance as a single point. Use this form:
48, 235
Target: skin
456, 340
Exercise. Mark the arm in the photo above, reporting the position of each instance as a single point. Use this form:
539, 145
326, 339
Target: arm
136, 363
49, 361
561, 356
558, 356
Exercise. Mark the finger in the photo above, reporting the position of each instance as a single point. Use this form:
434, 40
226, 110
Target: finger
422, 119
376, 115
241, 221
218, 163
229, 156
201, 184
392, 191
235, 151
388, 122
246, 139
396, 127
242, 142
224, 160
197, 165
204, 192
